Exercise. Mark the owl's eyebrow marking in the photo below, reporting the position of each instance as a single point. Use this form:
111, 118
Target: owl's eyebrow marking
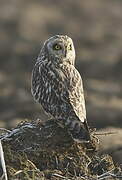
58, 41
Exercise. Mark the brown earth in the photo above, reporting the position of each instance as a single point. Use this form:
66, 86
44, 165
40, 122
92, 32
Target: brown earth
46, 151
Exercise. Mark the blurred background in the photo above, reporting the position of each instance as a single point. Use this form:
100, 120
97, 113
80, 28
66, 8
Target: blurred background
96, 29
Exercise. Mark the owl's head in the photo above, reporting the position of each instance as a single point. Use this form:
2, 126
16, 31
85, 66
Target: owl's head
60, 49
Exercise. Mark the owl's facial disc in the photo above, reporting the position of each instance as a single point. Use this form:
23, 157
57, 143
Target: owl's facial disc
61, 48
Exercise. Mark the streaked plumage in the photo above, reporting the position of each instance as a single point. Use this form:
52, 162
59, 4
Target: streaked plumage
57, 85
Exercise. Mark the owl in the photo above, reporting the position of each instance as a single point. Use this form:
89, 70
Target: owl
57, 86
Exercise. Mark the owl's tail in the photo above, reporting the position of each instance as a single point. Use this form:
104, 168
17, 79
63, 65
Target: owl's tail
82, 134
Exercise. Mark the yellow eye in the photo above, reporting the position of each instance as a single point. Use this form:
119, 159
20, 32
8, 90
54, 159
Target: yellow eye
57, 47
69, 47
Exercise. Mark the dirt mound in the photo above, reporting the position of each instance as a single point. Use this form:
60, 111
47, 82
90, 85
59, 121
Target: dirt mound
36, 150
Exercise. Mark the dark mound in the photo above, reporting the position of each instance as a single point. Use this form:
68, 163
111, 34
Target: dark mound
46, 151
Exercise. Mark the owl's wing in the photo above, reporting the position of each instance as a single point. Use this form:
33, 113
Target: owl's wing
67, 83
75, 91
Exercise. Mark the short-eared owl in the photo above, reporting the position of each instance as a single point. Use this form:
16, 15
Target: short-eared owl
57, 85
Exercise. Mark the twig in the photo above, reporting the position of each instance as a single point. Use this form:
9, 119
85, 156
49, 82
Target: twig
32, 164
56, 159
114, 175
108, 174
3, 161
3, 129
105, 133
60, 176
22, 171
18, 172
102, 178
